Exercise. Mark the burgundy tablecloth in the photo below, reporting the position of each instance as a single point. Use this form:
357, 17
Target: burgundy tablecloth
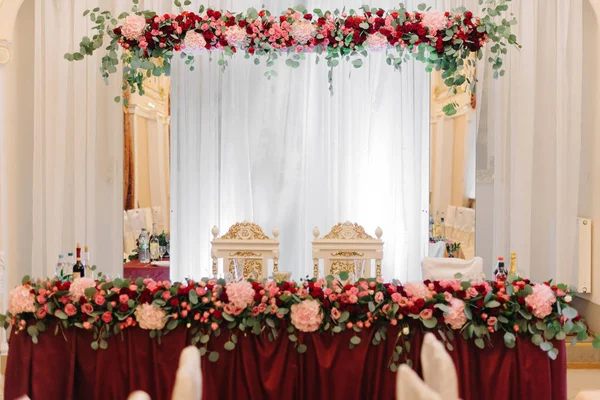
258, 369
135, 269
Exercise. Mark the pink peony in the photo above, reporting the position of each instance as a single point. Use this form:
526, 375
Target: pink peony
303, 31
77, 289
416, 290
240, 294
541, 300
107, 317
194, 41
133, 27
306, 316
426, 314
20, 300
376, 42
70, 310
235, 35
87, 308
150, 317
435, 21
455, 317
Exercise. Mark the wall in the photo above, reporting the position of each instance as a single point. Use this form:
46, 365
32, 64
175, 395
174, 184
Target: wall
18, 99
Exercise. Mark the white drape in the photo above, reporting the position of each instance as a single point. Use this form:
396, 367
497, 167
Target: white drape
78, 146
285, 153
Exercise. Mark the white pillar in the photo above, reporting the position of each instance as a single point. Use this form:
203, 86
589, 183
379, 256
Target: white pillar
5, 57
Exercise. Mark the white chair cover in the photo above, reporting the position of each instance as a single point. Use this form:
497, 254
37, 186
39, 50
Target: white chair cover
148, 213
188, 381
437, 250
446, 268
137, 220
588, 395
410, 387
158, 217
139, 395
439, 372
450, 217
465, 219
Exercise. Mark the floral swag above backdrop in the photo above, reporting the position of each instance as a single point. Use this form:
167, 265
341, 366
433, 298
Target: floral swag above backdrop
446, 41
519, 310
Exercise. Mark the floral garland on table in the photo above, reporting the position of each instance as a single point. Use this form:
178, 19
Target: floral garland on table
521, 310
444, 41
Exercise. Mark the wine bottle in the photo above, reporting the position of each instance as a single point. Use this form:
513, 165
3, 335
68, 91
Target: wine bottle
500, 272
78, 268
154, 255
86, 261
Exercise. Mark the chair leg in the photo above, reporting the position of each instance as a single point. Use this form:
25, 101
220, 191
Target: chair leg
316, 268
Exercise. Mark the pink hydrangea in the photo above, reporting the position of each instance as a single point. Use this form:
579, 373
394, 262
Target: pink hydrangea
416, 290
455, 317
77, 289
194, 41
235, 35
240, 294
303, 31
306, 316
541, 300
20, 300
435, 21
133, 27
150, 317
376, 42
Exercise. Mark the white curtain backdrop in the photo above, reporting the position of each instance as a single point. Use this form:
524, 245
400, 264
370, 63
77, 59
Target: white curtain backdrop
78, 146
285, 153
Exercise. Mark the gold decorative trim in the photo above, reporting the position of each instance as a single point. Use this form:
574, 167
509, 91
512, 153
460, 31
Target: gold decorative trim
245, 231
347, 254
348, 231
338, 266
5, 52
252, 268
245, 254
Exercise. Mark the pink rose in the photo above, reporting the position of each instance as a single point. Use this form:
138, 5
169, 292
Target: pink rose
396, 297
107, 317
262, 307
99, 300
70, 310
166, 295
386, 308
472, 292
42, 312
41, 299
352, 299
306, 316
200, 291
378, 297
123, 299
448, 296
492, 321
87, 308
87, 325
255, 312
335, 314
426, 314
214, 326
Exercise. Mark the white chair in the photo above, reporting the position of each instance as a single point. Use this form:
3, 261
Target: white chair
139, 395
344, 245
464, 231
446, 268
247, 242
588, 395
410, 387
437, 249
188, 380
158, 217
439, 372
138, 219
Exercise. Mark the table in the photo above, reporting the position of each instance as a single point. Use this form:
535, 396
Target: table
135, 269
258, 369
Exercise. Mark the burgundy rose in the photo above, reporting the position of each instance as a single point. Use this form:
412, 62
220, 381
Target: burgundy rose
380, 12
174, 302
218, 314
480, 303
123, 308
420, 303
308, 17
117, 31
468, 15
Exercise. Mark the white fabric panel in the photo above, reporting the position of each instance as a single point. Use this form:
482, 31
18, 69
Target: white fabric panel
139, 395
409, 386
285, 153
78, 147
437, 250
188, 380
439, 372
445, 268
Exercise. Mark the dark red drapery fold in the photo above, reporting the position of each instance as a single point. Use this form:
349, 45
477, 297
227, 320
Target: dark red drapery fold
257, 369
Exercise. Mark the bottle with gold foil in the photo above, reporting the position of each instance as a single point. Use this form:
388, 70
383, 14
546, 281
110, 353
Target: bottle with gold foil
513, 263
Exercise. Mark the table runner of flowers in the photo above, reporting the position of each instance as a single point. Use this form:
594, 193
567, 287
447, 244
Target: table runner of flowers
447, 41
518, 310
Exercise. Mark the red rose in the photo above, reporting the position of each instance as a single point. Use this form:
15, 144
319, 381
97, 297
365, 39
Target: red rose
261, 13
218, 314
380, 12
117, 31
421, 32
242, 23
480, 303
217, 14
223, 297
123, 307
282, 18
521, 300
420, 303
418, 15
308, 17
174, 302
395, 14
414, 310
251, 50
468, 15
447, 14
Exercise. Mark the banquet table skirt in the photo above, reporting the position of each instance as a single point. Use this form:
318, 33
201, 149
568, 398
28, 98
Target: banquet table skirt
56, 368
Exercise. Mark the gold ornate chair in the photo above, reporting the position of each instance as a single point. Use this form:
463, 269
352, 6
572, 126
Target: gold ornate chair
344, 245
245, 241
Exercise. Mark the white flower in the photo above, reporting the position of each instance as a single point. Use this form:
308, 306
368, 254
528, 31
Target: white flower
303, 31
568, 298
235, 35
77, 289
376, 42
